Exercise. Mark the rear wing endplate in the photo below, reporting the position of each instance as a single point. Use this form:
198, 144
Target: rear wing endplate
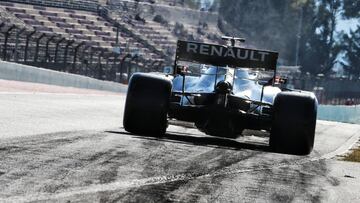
219, 55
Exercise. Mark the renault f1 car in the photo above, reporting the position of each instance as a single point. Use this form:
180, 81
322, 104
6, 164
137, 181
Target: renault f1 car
222, 90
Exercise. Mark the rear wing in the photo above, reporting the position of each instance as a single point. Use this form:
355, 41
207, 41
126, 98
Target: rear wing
219, 55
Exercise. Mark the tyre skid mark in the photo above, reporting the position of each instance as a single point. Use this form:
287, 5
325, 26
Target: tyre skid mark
184, 177
149, 191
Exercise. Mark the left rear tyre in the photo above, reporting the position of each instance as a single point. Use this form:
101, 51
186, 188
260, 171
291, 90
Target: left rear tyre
147, 104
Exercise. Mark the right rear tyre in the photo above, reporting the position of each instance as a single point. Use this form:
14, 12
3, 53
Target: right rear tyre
294, 121
147, 104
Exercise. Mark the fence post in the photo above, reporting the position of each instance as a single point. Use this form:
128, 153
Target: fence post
17, 44
27, 44
57, 49
107, 60
37, 47
115, 57
148, 64
128, 70
106, 73
91, 55
84, 61
75, 55
66, 51
7, 33
47, 55
160, 63
121, 65
90, 61
100, 71
117, 33
153, 64
2, 25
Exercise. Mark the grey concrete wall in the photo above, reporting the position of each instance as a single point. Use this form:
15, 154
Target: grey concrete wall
19, 72
340, 113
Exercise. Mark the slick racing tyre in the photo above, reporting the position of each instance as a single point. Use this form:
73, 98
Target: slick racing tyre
294, 121
147, 104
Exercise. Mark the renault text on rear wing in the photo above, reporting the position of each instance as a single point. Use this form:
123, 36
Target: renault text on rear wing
220, 55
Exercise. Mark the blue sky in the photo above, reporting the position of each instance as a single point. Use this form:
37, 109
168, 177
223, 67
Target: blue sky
346, 25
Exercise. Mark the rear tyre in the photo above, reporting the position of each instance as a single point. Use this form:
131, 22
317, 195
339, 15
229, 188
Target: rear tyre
294, 122
147, 104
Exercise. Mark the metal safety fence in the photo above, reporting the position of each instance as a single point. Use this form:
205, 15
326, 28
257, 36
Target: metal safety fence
52, 51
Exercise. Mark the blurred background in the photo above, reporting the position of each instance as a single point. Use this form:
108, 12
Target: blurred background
318, 40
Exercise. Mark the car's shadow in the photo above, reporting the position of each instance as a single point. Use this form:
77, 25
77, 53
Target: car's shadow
188, 138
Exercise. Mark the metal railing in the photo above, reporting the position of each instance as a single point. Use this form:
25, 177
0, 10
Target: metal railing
22, 43
52, 51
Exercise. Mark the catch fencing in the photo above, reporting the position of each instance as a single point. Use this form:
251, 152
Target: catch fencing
332, 91
25, 44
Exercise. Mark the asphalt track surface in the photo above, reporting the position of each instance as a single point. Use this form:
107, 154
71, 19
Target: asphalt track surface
68, 145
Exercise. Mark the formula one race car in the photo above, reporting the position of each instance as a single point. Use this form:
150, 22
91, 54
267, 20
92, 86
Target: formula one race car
223, 90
